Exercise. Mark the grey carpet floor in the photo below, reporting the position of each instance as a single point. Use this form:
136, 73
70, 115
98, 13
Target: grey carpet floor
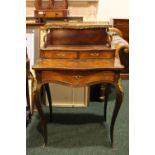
81, 131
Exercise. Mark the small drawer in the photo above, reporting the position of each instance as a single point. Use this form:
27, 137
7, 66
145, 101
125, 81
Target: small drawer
58, 55
49, 13
98, 54
54, 14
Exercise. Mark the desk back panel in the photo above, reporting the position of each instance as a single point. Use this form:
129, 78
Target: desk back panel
76, 37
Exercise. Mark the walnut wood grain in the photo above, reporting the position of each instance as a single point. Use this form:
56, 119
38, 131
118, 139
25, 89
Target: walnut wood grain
51, 9
94, 61
77, 51
58, 55
51, 4
49, 13
77, 79
109, 54
76, 37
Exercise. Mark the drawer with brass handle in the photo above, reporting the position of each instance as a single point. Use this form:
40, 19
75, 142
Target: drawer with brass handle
98, 54
61, 55
49, 14
94, 54
57, 55
54, 14
77, 79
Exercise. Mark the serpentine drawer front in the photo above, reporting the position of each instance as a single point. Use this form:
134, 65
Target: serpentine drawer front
79, 78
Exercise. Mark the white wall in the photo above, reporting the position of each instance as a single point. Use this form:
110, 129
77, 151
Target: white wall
108, 9
30, 47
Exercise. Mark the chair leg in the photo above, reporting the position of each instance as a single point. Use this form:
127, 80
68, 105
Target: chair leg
47, 88
106, 94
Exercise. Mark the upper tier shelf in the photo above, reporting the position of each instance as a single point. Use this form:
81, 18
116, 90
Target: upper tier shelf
77, 25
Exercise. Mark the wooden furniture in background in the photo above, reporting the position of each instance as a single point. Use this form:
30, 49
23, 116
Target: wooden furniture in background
123, 25
33, 22
51, 9
78, 54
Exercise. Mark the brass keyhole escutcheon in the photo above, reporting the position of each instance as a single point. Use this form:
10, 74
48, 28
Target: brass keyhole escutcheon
60, 54
94, 54
77, 77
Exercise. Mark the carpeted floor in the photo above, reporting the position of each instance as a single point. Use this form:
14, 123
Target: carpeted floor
81, 131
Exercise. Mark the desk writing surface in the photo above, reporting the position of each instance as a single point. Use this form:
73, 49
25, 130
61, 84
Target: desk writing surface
78, 64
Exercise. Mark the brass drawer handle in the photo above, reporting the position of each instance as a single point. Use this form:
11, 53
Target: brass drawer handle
60, 54
94, 54
77, 77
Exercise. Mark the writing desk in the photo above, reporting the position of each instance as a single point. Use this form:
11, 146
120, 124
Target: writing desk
78, 55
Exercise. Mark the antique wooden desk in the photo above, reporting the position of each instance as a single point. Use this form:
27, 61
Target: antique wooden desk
78, 54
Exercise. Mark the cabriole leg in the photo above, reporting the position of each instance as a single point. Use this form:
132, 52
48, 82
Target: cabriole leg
119, 97
47, 88
40, 111
106, 94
